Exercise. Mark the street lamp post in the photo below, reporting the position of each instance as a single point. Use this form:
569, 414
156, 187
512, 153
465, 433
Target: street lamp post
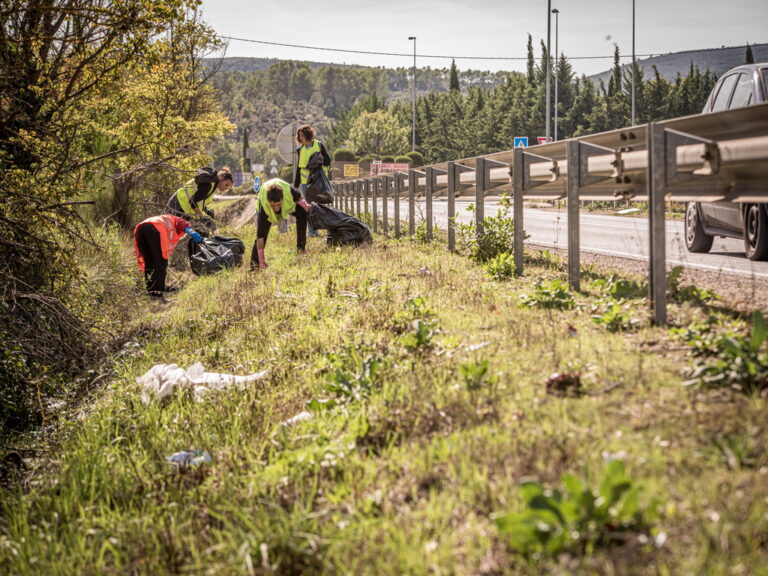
549, 67
633, 62
413, 99
556, 12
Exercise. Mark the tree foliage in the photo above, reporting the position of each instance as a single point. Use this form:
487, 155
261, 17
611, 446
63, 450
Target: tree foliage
88, 90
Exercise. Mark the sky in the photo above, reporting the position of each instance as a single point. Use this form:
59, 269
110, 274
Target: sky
492, 32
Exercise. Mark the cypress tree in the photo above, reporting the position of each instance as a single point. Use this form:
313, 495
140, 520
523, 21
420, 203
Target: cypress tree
453, 83
749, 57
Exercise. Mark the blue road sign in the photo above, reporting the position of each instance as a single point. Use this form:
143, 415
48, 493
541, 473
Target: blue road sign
521, 141
256, 183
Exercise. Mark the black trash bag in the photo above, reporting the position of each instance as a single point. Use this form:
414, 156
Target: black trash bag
215, 254
343, 229
319, 188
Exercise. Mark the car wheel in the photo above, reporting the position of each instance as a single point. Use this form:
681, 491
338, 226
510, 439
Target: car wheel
755, 232
696, 240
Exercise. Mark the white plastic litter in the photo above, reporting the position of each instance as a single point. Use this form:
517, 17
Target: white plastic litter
162, 379
300, 417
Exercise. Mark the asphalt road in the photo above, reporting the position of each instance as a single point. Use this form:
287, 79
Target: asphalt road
621, 236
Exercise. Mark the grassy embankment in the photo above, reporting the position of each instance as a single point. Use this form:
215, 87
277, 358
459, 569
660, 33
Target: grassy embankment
442, 410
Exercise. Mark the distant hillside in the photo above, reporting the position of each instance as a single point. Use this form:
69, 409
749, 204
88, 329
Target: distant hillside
717, 60
246, 64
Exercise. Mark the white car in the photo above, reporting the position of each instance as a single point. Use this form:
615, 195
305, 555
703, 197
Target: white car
741, 86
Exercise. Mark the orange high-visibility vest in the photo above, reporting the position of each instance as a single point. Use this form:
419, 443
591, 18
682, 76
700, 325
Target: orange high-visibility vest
166, 226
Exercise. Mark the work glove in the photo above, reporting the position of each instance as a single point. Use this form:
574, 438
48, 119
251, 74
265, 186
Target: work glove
262, 260
303, 204
210, 212
196, 238
208, 222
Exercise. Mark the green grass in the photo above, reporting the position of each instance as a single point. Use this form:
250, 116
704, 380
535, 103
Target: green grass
411, 475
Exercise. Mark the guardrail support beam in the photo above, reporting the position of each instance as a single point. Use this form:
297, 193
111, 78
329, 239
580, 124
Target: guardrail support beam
398, 188
454, 187
386, 182
573, 149
518, 177
431, 187
657, 178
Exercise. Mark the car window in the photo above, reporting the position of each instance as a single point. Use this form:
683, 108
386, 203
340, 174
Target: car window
764, 73
742, 94
724, 94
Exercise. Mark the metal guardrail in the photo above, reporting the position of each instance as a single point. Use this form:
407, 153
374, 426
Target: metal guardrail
720, 156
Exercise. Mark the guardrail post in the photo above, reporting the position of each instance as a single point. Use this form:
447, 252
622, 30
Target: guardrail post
431, 175
518, 176
399, 177
413, 184
341, 200
366, 193
348, 196
358, 194
454, 187
572, 150
374, 195
453, 182
480, 185
656, 176
385, 180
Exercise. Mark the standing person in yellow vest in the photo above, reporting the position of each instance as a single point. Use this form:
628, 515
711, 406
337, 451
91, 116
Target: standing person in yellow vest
277, 200
308, 145
189, 201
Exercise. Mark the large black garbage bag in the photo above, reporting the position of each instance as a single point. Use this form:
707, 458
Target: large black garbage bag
319, 188
215, 254
343, 229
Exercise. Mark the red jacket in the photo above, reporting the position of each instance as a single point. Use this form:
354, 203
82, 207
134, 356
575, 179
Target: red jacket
171, 229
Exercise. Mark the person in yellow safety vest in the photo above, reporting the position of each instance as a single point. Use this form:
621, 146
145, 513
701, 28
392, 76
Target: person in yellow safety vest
277, 200
308, 145
189, 201
154, 239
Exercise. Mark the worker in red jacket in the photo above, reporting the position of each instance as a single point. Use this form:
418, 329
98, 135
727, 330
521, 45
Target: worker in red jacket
154, 240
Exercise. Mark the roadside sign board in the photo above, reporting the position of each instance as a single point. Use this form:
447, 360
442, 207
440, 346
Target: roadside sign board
521, 141
351, 171
544, 139
388, 167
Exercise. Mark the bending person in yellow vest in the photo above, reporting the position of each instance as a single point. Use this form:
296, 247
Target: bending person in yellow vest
190, 200
278, 200
308, 145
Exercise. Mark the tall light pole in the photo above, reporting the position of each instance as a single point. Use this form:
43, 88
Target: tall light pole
556, 12
633, 62
549, 67
413, 99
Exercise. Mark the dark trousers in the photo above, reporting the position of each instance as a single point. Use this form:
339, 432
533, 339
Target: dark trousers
155, 266
301, 234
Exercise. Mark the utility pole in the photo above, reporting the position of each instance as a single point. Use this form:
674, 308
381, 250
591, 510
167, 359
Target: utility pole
549, 67
413, 98
633, 62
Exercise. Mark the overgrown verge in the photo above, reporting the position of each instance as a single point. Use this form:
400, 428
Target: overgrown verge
415, 418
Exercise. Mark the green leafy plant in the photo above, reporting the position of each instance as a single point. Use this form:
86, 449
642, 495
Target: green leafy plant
422, 337
736, 361
497, 236
475, 374
420, 234
501, 267
415, 308
552, 295
352, 380
614, 315
618, 287
578, 517
691, 293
